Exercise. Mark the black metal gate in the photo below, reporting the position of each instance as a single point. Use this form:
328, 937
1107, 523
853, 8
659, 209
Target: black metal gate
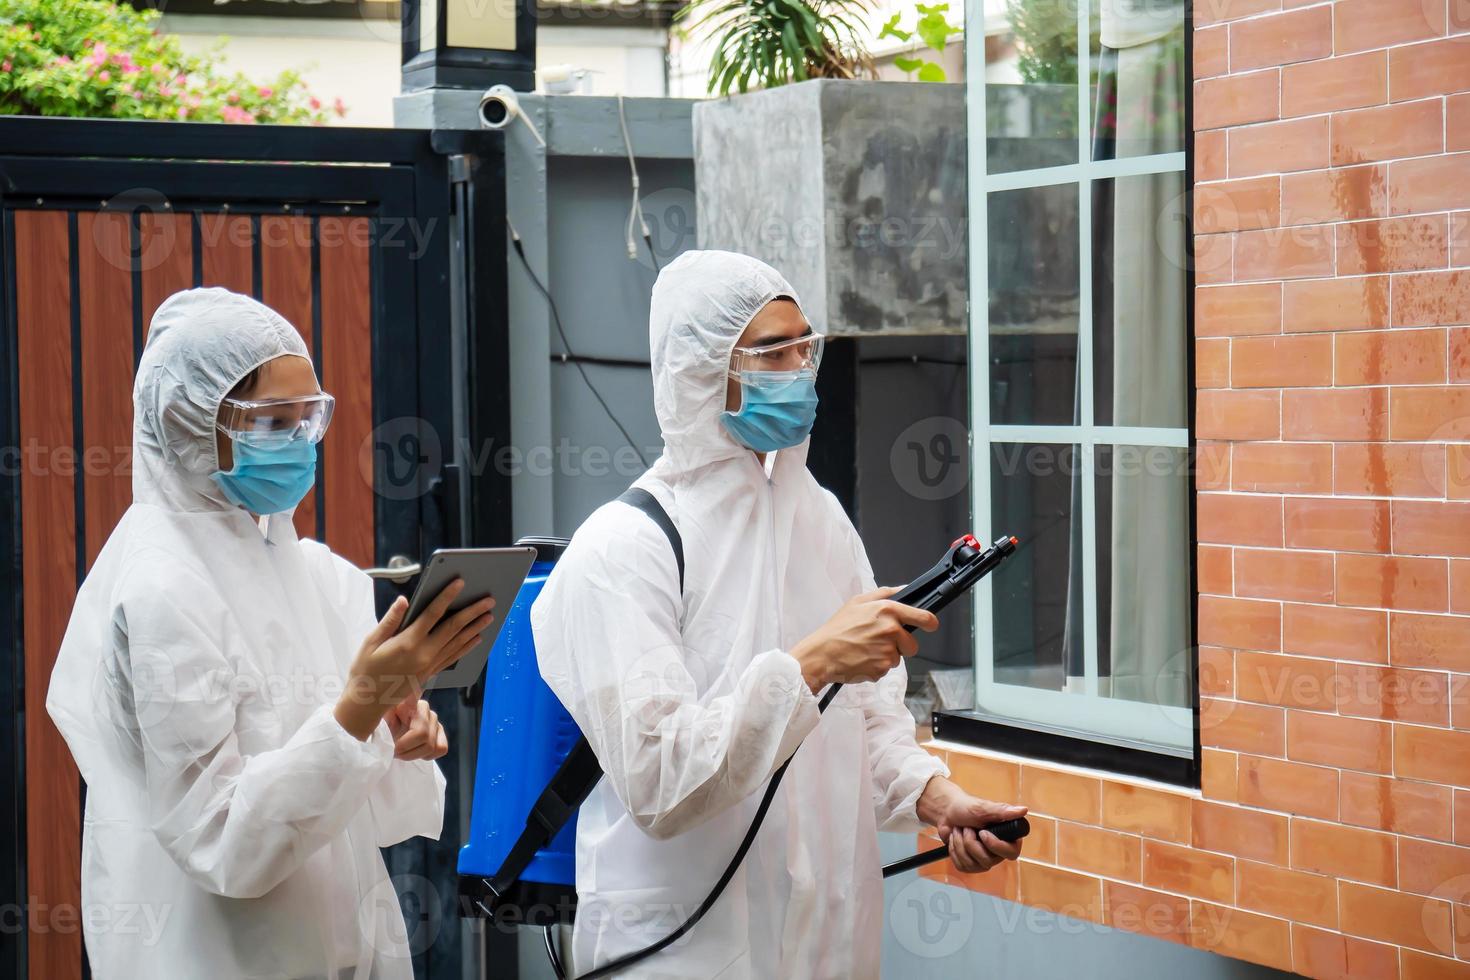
386, 248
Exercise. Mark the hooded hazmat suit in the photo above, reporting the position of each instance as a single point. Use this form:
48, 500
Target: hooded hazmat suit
230, 820
692, 702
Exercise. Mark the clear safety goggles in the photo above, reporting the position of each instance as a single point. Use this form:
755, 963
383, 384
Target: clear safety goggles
770, 362
276, 420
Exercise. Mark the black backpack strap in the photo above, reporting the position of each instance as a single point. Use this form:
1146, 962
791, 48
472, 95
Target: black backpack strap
648, 503
579, 771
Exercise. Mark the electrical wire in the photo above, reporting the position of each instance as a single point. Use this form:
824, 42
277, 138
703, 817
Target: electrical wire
515, 241
551, 953
635, 214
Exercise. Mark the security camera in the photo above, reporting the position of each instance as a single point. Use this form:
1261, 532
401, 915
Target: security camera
499, 107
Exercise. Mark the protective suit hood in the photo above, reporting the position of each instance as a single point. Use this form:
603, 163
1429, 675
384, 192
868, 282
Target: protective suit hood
701, 304
201, 342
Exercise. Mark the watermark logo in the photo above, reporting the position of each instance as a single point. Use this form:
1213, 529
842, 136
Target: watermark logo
929, 459
406, 457
931, 921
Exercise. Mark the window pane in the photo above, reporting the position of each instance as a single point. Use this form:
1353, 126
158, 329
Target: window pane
1033, 496
1140, 327
1034, 309
1138, 101
1143, 608
1030, 85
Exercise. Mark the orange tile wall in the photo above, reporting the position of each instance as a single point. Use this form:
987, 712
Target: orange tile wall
1331, 836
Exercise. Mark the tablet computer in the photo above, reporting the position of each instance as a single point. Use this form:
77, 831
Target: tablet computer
496, 572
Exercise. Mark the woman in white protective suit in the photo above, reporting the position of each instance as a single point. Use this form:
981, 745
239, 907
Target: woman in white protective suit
249, 735
692, 701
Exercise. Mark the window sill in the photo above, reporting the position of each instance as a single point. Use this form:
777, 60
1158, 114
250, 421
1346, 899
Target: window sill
989, 733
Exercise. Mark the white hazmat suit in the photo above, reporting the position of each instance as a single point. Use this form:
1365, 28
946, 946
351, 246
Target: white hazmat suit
228, 814
692, 702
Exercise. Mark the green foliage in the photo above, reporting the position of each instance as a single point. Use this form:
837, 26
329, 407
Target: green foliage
765, 43
99, 58
1046, 40
933, 28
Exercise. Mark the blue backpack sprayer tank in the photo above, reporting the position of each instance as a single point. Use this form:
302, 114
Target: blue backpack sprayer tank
535, 768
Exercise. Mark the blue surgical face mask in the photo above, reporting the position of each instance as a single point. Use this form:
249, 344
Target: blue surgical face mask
269, 478
777, 410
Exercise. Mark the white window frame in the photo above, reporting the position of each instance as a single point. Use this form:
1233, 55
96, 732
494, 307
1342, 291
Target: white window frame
1159, 728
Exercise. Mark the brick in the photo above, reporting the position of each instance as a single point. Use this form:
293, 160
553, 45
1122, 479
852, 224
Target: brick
1406, 244
1457, 123
1218, 775
1387, 470
1212, 363
1242, 727
1427, 867
1213, 569
1335, 304
1460, 586
1217, 11
1334, 83
1364, 24
1395, 917
1417, 71
1399, 806
987, 778
1389, 582
1298, 576
1286, 681
1212, 465
1430, 413
1345, 194
1432, 754
1241, 935
1241, 623
1438, 183
1336, 633
1233, 205
1459, 354
1279, 147
1001, 881
1188, 871
1280, 39
1229, 311
1146, 911
1431, 527
1150, 812
1209, 155
1060, 891
1431, 299
1288, 467
1289, 894
1230, 414
1459, 698
1320, 953
1462, 817
1298, 252
1395, 357
1281, 362
1435, 642
1460, 239
1211, 51
1060, 794
1408, 129
1231, 100
1336, 524
1335, 414
1101, 852
1393, 694
1347, 852
1214, 259
1233, 518
1245, 833
1041, 843
1426, 966
1330, 740
1287, 787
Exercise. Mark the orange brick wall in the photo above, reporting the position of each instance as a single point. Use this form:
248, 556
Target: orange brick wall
1332, 832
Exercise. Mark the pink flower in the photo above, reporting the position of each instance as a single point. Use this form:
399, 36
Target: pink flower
233, 97
316, 103
158, 68
339, 107
63, 60
5, 65
165, 91
193, 101
104, 76
183, 112
264, 92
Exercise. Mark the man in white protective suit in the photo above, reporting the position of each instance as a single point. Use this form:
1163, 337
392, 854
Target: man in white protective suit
249, 735
692, 700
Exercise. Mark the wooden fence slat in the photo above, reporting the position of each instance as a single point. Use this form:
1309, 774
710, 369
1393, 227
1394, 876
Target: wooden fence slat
48, 567
285, 286
226, 242
347, 372
166, 243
